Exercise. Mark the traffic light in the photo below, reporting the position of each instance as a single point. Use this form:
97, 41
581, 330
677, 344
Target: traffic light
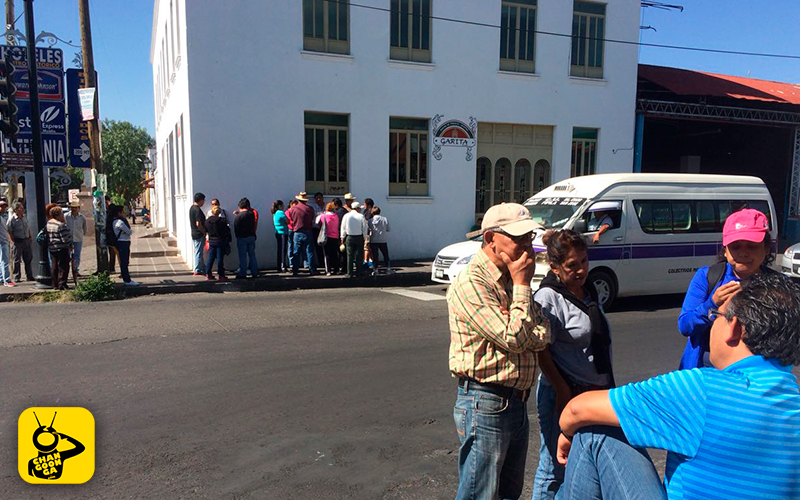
8, 106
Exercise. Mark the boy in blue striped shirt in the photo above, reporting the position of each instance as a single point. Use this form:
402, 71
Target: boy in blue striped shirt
732, 431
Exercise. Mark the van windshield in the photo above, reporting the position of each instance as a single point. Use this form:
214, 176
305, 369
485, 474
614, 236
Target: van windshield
553, 213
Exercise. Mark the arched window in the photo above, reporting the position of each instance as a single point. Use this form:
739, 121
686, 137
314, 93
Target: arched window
502, 181
541, 175
522, 181
483, 177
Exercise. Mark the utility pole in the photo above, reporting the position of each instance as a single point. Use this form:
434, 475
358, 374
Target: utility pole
44, 278
10, 22
94, 123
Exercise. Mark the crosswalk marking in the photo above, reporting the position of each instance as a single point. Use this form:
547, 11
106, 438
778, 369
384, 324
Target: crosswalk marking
414, 294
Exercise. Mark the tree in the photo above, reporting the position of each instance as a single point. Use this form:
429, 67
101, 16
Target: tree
123, 146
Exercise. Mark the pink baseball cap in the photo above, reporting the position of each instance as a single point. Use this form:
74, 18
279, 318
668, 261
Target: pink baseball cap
746, 224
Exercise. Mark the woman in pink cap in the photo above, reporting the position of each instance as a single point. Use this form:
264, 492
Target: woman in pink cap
746, 250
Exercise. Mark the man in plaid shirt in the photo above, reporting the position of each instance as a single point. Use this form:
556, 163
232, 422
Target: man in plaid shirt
495, 331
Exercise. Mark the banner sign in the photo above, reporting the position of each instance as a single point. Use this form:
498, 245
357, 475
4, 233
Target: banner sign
77, 129
50, 76
453, 133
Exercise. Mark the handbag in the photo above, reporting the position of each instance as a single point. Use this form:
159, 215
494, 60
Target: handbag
322, 239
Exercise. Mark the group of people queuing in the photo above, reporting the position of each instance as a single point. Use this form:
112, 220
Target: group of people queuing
346, 238
63, 237
729, 418
211, 232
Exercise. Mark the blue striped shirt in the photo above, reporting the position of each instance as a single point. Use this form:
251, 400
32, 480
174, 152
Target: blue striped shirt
732, 433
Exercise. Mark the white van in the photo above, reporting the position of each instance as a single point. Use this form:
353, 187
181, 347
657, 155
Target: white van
665, 226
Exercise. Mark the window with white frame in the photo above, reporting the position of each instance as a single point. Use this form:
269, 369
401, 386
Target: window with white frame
410, 26
326, 26
588, 30
408, 157
517, 35
584, 151
326, 150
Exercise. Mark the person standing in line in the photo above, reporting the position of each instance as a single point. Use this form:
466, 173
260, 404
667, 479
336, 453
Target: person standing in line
197, 220
281, 236
354, 227
5, 240
113, 253
319, 209
76, 223
302, 217
219, 237
366, 210
746, 250
59, 240
215, 203
340, 212
378, 239
122, 241
290, 237
21, 236
244, 225
349, 199
331, 221
579, 356
496, 333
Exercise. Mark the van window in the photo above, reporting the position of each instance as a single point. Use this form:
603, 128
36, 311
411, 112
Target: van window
553, 212
701, 216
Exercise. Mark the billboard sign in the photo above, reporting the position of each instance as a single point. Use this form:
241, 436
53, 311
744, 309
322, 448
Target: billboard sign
78, 130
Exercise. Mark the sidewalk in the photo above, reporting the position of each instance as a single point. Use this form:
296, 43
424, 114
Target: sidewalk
156, 264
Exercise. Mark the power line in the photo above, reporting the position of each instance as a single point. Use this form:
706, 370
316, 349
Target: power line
564, 35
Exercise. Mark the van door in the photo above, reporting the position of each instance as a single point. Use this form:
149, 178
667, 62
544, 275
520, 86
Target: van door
609, 248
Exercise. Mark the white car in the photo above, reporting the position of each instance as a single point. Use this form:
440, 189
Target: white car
790, 262
453, 258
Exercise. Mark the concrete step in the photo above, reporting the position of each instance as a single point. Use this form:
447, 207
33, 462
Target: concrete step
156, 232
147, 253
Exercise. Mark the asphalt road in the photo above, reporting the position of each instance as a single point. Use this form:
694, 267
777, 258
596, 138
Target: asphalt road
310, 394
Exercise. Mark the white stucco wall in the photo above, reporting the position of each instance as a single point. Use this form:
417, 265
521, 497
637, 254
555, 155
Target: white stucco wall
246, 84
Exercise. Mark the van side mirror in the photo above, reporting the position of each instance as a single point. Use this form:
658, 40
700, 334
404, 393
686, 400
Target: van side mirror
579, 226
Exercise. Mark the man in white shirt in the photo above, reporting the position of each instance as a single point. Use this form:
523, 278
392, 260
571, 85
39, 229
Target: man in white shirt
76, 223
354, 228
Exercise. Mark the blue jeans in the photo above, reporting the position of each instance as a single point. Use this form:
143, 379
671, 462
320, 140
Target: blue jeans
603, 465
494, 443
199, 265
247, 248
5, 261
549, 473
76, 252
303, 244
216, 251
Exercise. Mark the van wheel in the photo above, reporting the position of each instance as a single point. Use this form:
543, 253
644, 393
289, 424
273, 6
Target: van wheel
606, 288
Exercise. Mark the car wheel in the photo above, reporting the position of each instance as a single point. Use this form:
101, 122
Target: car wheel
606, 288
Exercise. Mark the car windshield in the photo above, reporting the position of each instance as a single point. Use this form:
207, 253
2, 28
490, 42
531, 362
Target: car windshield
553, 213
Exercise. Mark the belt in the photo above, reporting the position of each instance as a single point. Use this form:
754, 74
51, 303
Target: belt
496, 389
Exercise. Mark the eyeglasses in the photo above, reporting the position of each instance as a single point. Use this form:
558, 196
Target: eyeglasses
713, 313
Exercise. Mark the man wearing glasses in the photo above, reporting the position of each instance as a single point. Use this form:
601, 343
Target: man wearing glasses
732, 431
495, 331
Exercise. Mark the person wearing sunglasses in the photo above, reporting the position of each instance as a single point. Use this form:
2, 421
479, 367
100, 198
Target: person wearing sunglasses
731, 430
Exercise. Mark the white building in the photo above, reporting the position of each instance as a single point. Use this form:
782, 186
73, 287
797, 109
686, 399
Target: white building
266, 99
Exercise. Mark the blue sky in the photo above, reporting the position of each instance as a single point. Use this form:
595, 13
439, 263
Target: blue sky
121, 31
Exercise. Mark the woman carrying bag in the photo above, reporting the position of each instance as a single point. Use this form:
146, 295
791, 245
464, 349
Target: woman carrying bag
579, 356
746, 250
219, 238
330, 228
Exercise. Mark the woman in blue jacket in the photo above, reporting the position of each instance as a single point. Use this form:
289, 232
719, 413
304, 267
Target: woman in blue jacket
746, 250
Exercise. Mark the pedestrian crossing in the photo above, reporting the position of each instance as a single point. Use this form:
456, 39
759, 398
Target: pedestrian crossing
415, 294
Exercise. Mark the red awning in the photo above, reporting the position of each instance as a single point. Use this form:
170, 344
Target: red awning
691, 82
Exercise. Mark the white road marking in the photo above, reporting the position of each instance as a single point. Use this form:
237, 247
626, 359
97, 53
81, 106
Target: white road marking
414, 294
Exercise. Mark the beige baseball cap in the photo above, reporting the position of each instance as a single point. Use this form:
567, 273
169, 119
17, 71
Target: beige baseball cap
511, 218
349, 196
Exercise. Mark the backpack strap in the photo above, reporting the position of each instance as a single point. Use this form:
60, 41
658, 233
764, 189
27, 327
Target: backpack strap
715, 275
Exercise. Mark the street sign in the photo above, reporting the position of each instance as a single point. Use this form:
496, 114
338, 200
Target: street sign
50, 76
78, 130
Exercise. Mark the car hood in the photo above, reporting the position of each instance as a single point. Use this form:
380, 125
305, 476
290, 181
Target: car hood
462, 249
